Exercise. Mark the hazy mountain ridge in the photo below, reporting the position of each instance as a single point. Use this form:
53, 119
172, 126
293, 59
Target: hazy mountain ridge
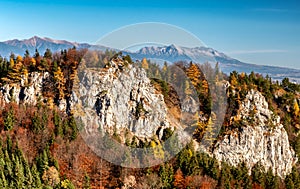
171, 53
41, 44
175, 53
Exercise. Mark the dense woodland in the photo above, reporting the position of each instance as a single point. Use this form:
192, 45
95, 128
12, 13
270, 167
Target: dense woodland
40, 146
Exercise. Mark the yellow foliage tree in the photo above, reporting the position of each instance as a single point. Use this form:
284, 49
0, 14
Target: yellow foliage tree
51, 176
60, 82
33, 61
16, 68
11, 63
74, 77
199, 124
145, 64
193, 73
19, 64
296, 108
209, 132
157, 149
187, 90
24, 72
197, 78
233, 81
165, 67
19, 58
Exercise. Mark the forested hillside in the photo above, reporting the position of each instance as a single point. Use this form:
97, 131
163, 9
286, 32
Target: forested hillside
40, 145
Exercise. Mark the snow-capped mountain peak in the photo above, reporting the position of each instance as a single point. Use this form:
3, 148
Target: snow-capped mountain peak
184, 53
172, 50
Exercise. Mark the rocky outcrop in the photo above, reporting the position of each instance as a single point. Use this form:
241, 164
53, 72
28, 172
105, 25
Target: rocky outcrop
261, 138
117, 99
124, 100
120, 99
28, 91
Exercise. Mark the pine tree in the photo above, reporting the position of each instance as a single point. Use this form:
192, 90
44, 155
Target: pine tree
295, 176
37, 58
86, 182
18, 173
3, 181
272, 181
36, 123
246, 181
29, 180
183, 159
194, 73
289, 182
9, 145
55, 66
257, 174
225, 177
42, 162
213, 170
73, 127
48, 54
36, 177
12, 61
9, 119
166, 174
43, 66
58, 124
8, 166
26, 55
157, 150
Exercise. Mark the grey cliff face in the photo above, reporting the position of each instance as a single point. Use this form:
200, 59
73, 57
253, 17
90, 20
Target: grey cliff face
121, 99
29, 90
262, 139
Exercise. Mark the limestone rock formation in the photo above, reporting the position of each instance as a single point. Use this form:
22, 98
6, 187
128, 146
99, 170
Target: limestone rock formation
120, 98
261, 139
28, 91
124, 100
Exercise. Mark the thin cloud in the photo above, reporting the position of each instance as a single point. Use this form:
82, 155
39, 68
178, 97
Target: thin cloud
257, 51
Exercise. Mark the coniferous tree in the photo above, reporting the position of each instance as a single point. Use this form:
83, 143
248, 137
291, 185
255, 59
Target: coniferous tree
166, 174
86, 182
9, 119
12, 61
272, 181
48, 54
36, 177
257, 174
42, 162
225, 177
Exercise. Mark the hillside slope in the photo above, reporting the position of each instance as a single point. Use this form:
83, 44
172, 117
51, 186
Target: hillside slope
43, 99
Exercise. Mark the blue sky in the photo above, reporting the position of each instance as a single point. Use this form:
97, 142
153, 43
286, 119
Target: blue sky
261, 32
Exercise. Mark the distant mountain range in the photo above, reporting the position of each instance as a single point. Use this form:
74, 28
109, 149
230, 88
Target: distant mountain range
227, 64
169, 53
41, 44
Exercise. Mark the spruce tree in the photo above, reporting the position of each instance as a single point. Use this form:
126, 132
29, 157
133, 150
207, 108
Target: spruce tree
36, 177
9, 120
